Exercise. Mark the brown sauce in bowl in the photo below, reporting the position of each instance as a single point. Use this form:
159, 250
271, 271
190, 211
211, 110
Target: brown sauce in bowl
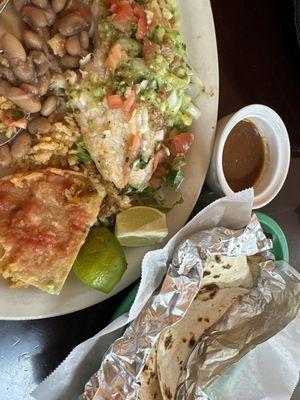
244, 156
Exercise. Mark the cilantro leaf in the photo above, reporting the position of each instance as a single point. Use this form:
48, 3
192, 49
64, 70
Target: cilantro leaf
17, 114
83, 154
104, 220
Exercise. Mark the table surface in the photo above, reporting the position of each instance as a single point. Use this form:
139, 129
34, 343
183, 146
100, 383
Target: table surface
259, 63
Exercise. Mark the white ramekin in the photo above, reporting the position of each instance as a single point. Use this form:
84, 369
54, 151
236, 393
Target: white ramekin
278, 153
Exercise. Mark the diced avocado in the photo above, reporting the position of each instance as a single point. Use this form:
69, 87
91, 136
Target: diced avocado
132, 47
134, 70
107, 31
158, 34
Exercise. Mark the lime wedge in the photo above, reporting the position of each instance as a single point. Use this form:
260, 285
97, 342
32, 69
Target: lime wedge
140, 226
101, 261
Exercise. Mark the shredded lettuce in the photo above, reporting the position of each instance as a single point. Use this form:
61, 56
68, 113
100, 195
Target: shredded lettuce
174, 177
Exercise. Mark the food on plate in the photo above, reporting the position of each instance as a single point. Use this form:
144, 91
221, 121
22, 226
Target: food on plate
225, 280
100, 89
140, 226
132, 103
101, 261
45, 217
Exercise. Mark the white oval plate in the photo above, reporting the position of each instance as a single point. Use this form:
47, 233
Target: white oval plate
199, 33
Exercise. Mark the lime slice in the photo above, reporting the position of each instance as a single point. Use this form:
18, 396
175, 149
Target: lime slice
140, 226
101, 261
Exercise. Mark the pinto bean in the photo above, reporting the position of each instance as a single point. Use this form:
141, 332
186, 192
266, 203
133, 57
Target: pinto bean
40, 3
43, 84
58, 5
12, 48
84, 40
69, 62
74, 48
49, 106
32, 40
39, 125
33, 16
5, 156
21, 146
24, 70
29, 88
71, 24
7, 74
23, 99
50, 16
41, 62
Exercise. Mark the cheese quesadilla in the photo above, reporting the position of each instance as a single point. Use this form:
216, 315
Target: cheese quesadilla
45, 217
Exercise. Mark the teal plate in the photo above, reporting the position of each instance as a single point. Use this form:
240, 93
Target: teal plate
271, 229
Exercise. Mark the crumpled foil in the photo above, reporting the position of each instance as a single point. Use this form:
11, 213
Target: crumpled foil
267, 309
124, 361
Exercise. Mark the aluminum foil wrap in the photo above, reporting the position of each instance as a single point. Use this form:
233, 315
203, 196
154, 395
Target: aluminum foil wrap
248, 323
267, 309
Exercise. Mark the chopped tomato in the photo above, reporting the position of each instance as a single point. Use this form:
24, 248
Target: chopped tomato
176, 62
123, 16
162, 96
139, 12
129, 104
149, 49
114, 101
160, 156
180, 144
14, 118
115, 56
159, 168
113, 8
142, 28
84, 10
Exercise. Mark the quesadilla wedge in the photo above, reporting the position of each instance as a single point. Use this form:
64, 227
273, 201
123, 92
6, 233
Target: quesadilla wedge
45, 217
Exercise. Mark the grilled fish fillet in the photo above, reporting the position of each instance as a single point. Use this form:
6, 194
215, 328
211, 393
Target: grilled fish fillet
108, 137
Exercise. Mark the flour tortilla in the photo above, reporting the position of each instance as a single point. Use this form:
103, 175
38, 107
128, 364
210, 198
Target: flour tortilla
224, 280
150, 389
227, 272
176, 343
160, 375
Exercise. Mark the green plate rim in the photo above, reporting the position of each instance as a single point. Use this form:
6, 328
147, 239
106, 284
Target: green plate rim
268, 224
